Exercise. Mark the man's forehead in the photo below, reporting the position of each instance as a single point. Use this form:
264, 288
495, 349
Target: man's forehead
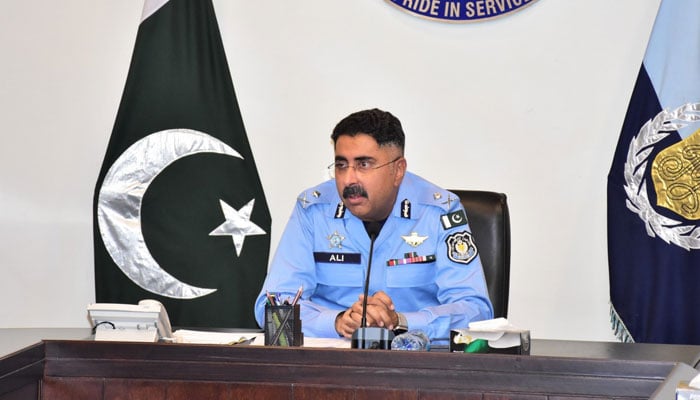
358, 145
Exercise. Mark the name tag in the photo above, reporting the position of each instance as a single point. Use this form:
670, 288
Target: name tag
337, 258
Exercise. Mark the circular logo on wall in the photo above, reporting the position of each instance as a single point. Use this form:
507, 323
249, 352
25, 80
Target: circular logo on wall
461, 10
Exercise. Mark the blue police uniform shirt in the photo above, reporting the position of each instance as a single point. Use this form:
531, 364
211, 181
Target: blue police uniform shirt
424, 259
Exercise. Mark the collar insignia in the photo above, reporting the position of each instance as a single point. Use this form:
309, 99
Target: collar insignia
340, 211
406, 209
413, 239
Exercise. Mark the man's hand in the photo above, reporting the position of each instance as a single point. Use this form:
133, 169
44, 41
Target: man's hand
345, 323
380, 311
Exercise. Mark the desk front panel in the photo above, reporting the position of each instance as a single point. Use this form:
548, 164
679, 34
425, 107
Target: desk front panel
96, 370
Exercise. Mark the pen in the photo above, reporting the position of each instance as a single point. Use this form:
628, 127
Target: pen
298, 295
271, 298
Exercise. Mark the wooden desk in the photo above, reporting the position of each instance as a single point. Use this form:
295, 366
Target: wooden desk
66, 369
688, 354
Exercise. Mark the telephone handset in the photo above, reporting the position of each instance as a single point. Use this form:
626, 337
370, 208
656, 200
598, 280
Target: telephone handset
163, 322
146, 321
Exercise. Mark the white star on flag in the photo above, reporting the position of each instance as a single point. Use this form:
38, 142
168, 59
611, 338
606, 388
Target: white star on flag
237, 224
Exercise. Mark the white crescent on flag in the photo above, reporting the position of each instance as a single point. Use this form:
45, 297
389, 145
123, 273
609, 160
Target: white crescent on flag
120, 200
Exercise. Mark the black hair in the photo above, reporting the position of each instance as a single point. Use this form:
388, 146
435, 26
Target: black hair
382, 126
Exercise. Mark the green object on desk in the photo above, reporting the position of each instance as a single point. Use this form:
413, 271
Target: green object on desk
280, 330
477, 346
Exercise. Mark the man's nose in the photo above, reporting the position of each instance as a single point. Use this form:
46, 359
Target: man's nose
350, 175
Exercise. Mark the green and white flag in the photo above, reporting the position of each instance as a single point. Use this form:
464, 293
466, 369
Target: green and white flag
179, 211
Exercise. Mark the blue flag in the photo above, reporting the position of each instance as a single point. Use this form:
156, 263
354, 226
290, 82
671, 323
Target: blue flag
654, 189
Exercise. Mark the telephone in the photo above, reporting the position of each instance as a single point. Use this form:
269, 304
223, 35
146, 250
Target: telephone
144, 322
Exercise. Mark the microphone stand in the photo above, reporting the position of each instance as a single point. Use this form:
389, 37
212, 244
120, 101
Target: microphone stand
374, 337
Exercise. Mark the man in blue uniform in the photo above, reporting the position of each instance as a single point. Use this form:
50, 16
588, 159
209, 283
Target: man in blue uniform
426, 273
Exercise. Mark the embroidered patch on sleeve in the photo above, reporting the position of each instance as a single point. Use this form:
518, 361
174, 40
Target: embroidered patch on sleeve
453, 219
460, 247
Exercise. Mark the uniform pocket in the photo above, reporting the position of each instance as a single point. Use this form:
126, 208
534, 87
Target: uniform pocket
410, 275
339, 274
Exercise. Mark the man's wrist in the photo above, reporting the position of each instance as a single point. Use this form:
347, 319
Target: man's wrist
335, 323
402, 325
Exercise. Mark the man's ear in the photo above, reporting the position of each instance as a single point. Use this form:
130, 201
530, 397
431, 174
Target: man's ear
400, 171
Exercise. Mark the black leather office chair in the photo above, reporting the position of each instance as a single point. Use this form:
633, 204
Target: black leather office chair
489, 220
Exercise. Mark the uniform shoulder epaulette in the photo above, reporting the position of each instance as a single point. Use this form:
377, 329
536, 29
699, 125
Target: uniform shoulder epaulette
321, 194
433, 195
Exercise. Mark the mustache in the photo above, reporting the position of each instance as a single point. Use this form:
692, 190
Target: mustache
354, 190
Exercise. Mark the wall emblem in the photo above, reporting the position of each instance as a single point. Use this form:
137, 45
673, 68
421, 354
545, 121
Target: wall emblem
461, 10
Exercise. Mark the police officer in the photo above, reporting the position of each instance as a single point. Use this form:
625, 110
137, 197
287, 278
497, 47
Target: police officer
426, 273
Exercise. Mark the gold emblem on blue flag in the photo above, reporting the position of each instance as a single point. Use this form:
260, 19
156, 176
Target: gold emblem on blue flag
676, 175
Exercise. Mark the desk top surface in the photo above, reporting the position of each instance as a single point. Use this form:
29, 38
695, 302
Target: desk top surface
15, 339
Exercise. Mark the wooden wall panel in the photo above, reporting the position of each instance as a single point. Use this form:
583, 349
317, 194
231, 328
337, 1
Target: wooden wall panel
72, 388
178, 390
307, 392
386, 394
134, 389
445, 395
256, 391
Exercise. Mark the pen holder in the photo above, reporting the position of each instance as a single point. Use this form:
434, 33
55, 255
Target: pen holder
283, 326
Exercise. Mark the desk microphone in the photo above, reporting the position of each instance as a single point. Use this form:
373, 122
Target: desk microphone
371, 337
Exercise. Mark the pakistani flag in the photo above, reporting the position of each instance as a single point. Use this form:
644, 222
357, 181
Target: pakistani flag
654, 189
180, 214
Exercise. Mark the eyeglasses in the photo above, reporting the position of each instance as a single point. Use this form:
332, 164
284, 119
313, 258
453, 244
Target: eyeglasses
361, 166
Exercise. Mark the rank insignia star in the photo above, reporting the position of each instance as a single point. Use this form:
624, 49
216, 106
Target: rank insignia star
413, 239
336, 240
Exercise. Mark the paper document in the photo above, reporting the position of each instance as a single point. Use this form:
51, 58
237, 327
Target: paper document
209, 337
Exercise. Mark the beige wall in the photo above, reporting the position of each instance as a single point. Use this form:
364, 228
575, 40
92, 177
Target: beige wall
530, 105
